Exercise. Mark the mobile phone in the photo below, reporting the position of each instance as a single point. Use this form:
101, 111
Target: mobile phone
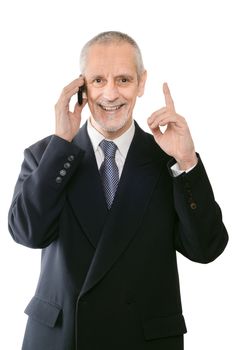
80, 94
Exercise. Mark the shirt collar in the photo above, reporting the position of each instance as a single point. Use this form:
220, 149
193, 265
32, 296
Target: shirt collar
123, 142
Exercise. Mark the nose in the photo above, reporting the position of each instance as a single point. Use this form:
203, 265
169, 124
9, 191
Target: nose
110, 91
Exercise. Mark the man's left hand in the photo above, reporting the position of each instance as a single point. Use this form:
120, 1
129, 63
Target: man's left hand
176, 140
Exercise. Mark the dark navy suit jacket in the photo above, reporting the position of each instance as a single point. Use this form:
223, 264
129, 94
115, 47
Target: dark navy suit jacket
109, 279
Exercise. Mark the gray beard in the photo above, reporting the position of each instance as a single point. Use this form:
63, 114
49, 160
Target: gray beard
112, 130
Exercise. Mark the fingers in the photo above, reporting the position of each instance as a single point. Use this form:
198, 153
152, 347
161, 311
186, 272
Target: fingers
67, 121
79, 107
70, 90
168, 98
166, 114
158, 115
156, 121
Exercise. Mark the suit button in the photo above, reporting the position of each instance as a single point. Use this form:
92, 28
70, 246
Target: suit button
67, 165
193, 205
58, 180
71, 158
63, 172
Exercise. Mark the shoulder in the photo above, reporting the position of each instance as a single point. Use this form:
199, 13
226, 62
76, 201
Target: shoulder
38, 148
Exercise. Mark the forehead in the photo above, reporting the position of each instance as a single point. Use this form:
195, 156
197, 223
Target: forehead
113, 58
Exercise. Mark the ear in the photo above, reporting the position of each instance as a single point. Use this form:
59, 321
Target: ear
142, 82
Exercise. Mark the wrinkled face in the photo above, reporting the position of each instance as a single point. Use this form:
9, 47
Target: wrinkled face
112, 86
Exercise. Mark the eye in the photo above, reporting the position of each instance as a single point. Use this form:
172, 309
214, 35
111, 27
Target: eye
98, 81
123, 80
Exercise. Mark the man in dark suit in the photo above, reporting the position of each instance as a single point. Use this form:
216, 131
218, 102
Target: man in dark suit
109, 277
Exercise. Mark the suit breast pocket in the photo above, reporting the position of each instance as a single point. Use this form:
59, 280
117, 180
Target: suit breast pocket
43, 312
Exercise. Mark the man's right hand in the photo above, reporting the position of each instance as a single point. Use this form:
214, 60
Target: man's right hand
67, 122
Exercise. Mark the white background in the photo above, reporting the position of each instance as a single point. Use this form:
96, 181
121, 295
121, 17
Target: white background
187, 44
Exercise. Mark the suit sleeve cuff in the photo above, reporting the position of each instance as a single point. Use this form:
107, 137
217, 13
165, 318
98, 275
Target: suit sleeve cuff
174, 169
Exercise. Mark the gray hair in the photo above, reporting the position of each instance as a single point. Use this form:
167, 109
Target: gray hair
108, 38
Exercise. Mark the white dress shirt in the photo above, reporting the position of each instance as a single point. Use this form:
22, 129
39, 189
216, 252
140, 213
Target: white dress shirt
123, 143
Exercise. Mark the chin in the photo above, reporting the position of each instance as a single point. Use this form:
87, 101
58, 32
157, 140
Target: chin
112, 127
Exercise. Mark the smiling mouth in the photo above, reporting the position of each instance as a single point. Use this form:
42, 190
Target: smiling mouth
111, 108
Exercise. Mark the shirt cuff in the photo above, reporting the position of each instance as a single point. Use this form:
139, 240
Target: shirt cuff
176, 171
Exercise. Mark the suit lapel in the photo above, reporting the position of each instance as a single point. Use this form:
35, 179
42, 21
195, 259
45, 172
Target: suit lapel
85, 193
140, 174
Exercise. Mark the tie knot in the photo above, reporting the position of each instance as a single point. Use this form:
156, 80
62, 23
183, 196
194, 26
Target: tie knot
109, 148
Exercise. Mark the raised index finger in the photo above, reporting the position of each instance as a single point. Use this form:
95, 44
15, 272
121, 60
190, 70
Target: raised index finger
168, 98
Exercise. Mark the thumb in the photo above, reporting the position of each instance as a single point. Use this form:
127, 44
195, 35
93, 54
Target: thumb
156, 133
78, 107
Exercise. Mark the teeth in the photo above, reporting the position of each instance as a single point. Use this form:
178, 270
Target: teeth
110, 109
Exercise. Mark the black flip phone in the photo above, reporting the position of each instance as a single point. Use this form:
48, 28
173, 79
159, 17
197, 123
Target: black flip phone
80, 94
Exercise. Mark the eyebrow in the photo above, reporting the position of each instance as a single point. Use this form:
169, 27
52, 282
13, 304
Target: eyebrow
127, 76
